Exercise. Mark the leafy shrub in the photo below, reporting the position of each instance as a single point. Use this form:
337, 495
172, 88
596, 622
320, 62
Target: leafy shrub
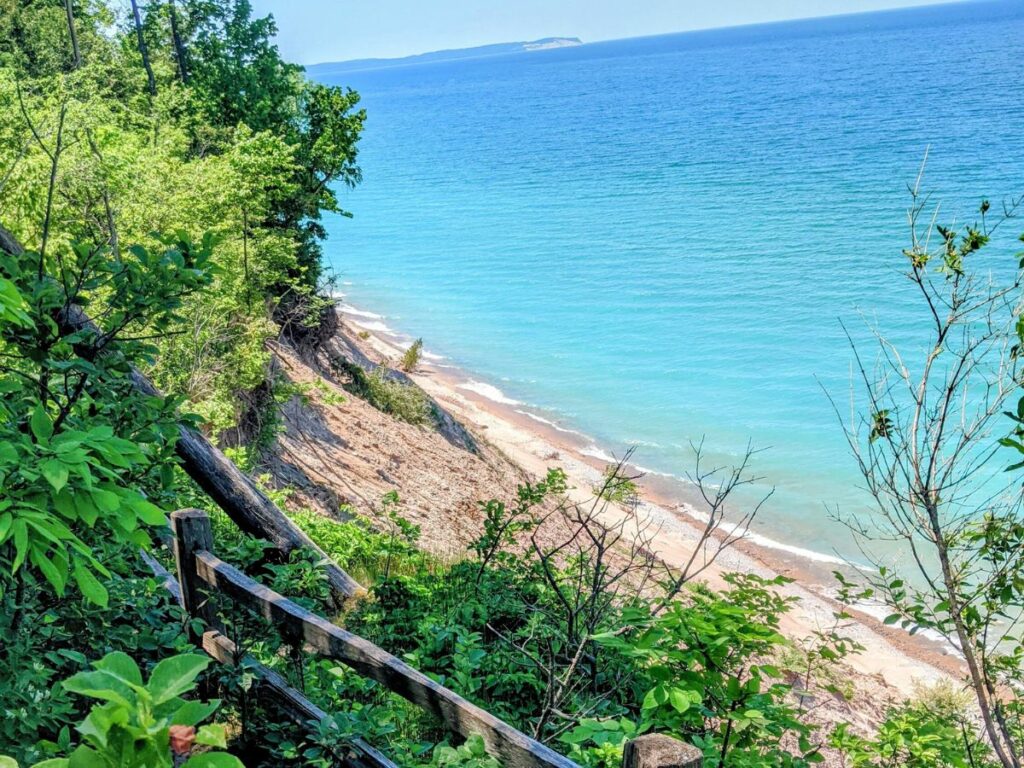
77, 440
599, 743
364, 552
57, 636
913, 736
403, 401
140, 723
703, 676
471, 754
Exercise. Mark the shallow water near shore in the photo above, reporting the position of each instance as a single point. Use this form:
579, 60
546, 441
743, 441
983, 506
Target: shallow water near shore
652, 240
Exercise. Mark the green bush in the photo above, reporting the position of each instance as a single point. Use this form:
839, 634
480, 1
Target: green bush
914, 736
616, 486
135, 725
403, 401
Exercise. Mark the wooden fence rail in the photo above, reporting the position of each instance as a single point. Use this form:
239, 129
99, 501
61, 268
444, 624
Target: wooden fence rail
201, 574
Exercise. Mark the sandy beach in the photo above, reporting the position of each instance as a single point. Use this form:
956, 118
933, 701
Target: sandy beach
892, 658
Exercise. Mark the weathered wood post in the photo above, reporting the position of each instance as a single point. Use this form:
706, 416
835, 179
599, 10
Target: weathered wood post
656, 750
192, 533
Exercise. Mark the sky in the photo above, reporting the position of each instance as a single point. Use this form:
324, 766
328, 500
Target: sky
313, 31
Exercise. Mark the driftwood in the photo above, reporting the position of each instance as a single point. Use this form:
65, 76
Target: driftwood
227, 485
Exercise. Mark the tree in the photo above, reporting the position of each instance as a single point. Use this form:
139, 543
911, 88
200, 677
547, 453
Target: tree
926, 444
143, 49
240, 78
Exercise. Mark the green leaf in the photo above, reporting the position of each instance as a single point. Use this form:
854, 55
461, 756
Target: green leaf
20, 532
98, 724
106, 500
8, 453
55, 472
64, 503
176, 675
148, 513
41, 425
212, 735
679, 700
84, 757
475, 745
50, 571
194, 712
86, 509
7, 762
122, 665
100, 685
650, 700
91, 588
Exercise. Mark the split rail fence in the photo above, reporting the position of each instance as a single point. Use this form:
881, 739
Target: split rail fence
203, 576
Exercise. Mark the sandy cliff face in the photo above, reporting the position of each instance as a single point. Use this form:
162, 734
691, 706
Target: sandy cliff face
338, 450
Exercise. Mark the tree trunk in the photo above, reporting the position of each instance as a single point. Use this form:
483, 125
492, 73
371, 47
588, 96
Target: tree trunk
179, 46
143, 49
76, 55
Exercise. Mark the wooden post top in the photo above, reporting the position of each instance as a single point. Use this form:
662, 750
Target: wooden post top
656, 750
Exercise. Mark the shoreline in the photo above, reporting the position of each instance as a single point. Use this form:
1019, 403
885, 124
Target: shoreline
891, 655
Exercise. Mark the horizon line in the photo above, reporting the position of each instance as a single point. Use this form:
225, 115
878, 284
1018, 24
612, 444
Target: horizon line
693, 30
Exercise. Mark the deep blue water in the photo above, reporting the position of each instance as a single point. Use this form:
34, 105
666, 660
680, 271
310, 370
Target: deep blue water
655, 239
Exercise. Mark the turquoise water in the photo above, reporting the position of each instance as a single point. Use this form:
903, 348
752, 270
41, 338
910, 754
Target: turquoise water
653, 240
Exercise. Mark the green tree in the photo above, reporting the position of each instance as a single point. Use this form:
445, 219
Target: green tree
925, 443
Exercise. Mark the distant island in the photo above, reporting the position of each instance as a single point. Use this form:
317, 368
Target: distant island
495, 49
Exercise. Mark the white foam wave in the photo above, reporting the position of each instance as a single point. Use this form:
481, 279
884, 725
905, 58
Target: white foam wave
643, 444
432, 356
488, 391
353, 312
374, 325
656, 473
547, 422
595, 452
768, 543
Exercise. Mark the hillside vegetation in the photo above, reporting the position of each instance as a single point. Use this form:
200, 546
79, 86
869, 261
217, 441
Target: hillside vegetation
166, 172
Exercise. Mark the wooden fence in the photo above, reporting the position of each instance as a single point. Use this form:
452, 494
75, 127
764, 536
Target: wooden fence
201, 575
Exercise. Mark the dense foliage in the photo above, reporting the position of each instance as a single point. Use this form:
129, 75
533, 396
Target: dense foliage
167, 172
242, 147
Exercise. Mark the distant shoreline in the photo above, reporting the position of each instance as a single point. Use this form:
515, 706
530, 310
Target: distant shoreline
329, 68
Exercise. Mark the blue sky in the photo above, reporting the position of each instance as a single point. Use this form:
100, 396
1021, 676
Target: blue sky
312, 31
